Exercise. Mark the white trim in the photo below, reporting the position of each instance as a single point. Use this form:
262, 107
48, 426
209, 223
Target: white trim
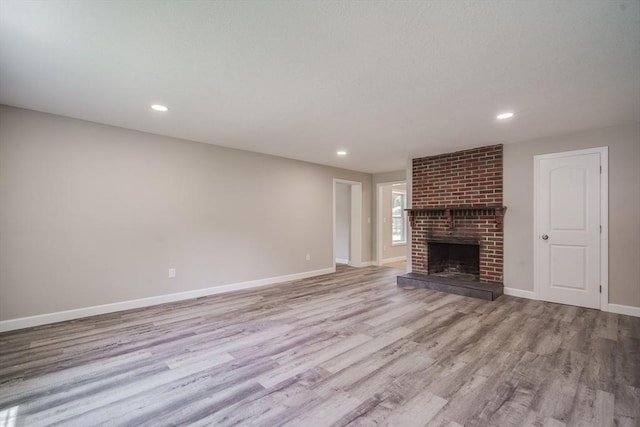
627, 310
604, 237
613, 308
403, 215
604, 219
355, 238
60, 316
333, 221
409, 175
379, 224
624, 309
342, 261
394, 259
355, 226
379, 220
521, 293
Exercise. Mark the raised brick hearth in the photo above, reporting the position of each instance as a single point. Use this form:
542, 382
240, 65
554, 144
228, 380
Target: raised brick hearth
457, 198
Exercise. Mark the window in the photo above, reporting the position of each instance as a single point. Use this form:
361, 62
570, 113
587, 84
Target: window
398, 218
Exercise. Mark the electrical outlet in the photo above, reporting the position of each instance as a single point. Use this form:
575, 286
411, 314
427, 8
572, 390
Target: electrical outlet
172, 273
308, 257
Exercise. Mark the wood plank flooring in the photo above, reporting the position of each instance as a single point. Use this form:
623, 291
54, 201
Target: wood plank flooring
400, 265
348, 348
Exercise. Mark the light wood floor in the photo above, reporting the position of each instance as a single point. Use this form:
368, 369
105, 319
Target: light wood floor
400, 265
348, 348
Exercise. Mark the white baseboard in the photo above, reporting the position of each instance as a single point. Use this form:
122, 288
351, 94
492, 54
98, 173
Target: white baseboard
342, 261
521, 293
361, 264
60, 316
396, 259
624, 309
613, 308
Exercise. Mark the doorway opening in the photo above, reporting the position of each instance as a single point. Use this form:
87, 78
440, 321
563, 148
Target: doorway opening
347, 222
392, 228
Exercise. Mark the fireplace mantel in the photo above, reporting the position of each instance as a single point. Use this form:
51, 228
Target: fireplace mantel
464, 211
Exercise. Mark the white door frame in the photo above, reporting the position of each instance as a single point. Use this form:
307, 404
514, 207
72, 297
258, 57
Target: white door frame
379, 221
604, 218
355, 228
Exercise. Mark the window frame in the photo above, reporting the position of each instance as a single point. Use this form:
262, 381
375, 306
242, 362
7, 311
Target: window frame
402, 216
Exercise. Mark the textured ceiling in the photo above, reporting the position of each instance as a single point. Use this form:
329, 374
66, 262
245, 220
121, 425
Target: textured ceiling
384, 80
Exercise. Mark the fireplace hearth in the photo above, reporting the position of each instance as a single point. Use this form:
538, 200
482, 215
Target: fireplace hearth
456, 223
453, 266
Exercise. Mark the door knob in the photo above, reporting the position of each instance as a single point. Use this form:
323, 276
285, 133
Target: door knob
544, 237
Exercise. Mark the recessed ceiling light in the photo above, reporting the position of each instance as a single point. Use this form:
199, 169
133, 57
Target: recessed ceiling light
504, 116
159, 107
341, 153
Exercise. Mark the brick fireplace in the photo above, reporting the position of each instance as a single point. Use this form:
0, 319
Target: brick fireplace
456, 216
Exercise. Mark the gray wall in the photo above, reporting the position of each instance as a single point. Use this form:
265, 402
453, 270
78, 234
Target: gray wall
93, 214
343, 220
388, 250
624, 207
394, 176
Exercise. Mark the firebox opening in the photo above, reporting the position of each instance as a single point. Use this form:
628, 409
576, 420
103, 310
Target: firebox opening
454, 260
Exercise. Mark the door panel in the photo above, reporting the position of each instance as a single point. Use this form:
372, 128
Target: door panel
563, 277
568, 199
568, 229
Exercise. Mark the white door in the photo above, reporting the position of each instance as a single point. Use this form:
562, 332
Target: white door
568, 227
